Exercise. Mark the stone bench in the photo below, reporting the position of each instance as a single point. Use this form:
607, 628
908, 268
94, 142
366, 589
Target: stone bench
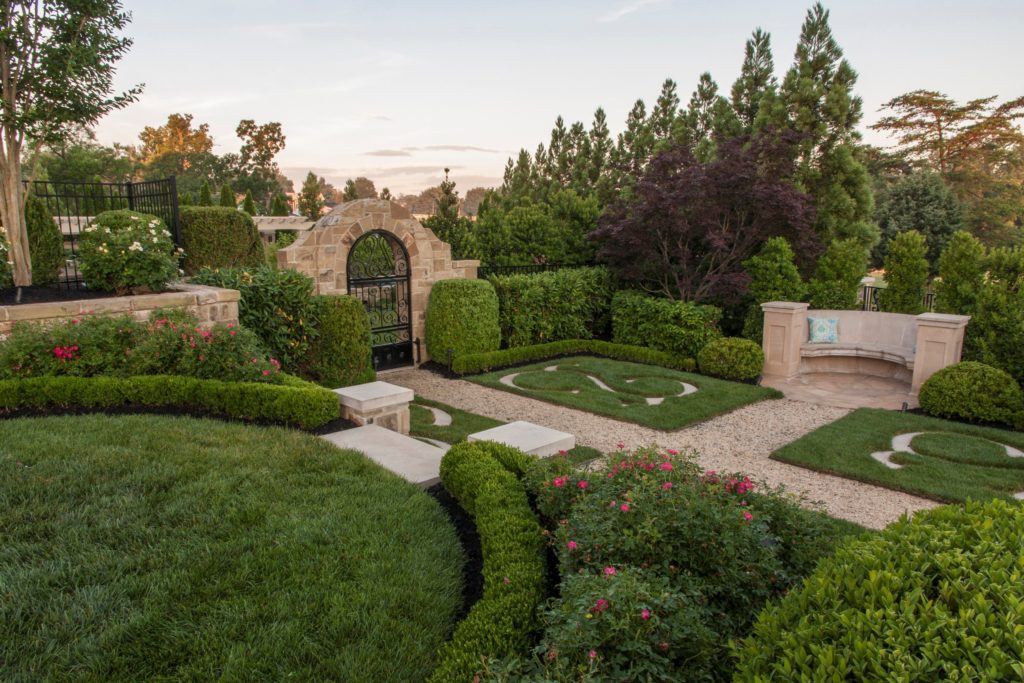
904, 347
528, 437
377, 403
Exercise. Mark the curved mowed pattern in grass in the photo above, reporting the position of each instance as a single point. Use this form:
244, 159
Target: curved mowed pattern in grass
144, 548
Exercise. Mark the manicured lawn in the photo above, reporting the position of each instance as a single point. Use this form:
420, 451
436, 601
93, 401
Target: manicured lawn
465, 423
159, 548
630, 385
953, 461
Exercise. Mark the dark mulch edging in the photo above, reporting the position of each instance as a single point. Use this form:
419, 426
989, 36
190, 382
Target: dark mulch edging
469, 539
47, 294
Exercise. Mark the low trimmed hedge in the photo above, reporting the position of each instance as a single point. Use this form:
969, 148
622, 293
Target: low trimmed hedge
485, 362
292, 402
482, 477
974, 392
462, 316
933, 598
732, 358
219, 237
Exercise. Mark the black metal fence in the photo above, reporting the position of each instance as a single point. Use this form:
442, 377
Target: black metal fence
869, 299
484, 272
74, 204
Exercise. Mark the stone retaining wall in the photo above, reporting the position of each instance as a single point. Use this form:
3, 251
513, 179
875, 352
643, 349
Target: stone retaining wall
209, 304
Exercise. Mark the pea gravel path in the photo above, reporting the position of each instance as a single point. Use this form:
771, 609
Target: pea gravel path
740, 441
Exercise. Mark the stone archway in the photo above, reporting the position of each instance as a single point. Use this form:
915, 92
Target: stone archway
322, 253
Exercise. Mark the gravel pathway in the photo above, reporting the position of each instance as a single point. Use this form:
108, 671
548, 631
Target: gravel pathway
740, 441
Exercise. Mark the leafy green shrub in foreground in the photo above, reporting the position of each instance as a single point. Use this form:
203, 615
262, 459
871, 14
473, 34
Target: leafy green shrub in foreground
675, 327
572, 303
293, 402
122, 251
974, 392
217, 237
340, 356
275, 304
933, 598
482, 477
484, 362
462, 316
731, 358
45, 242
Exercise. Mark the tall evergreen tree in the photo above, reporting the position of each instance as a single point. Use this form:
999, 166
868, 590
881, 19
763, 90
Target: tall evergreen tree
664, 114
709, 118
248, 204
351, 192
186, 199
448, 225
280, 206
205, 199
633, 147
227, 196
311, 201
757, 75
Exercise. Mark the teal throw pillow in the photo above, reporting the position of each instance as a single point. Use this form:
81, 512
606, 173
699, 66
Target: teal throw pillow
823, 330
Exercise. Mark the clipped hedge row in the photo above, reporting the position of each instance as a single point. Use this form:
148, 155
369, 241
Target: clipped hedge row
677, 327
573, 303
293, 402
462, 316
933, 598
219, 237
484, 362
482, 477
341, 355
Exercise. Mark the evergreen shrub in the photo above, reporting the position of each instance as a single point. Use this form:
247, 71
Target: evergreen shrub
731, 358
906, 274
45, 242
837, 277
676, 327
275, 304
340, 356
462, 315
482, 476
961, 274
475, 363
933, 598
773, 277
974, 392
217, 237
122, 251
572, 303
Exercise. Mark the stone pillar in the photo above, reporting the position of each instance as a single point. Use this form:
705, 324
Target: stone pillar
785, 329
940, 341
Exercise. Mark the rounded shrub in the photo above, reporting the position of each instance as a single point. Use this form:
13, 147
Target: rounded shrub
974, 392
731, 358
933, 598
219, 237
45, 242
462, 316
121, 251
340, 355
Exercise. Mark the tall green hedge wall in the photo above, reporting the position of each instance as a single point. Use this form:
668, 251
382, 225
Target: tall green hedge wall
219, 237
462, 315
677, 327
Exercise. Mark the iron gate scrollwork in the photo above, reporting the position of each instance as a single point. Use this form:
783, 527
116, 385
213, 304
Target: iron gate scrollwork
378, 275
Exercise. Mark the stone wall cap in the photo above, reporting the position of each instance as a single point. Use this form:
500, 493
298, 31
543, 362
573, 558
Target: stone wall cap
373, 395
784, 306
466, 263
943, 320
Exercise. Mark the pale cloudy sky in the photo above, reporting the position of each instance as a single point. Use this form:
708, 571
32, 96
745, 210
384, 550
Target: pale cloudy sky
396, 90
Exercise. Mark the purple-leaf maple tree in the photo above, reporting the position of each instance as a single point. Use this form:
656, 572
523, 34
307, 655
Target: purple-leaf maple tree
688, 226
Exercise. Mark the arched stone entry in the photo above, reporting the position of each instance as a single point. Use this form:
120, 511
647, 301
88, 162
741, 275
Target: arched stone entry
323, 254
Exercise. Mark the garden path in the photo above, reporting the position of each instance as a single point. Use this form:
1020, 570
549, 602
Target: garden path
740, 441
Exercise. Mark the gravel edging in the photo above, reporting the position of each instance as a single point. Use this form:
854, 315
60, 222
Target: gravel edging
740, 441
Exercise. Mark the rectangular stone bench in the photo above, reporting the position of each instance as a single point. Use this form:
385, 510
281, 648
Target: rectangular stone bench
526, 436
377, 403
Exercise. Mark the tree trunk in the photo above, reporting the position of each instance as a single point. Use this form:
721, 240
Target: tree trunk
12, 214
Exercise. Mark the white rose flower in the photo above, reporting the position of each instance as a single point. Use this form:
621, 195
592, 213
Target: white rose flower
135, 247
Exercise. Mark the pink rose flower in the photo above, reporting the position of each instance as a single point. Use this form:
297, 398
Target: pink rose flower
571, 545
583, 483
645, 614
609, 571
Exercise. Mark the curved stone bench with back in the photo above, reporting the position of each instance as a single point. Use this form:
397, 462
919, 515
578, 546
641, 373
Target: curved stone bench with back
908, 348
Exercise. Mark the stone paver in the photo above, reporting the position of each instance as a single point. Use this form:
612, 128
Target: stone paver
845, 390
407, 457
740, 441
526, 436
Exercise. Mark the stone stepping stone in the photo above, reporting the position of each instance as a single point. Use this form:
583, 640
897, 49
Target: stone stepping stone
441, 418
526, 436
409, 458
434, 442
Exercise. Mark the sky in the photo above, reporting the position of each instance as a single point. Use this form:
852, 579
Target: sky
399, 90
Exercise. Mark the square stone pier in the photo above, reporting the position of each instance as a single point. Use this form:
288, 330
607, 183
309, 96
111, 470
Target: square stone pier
377, 403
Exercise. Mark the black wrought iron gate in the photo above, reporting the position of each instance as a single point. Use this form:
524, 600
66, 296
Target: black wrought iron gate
378, 275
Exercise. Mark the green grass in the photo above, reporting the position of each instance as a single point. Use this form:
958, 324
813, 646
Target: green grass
956, 463
161, 548
631, 383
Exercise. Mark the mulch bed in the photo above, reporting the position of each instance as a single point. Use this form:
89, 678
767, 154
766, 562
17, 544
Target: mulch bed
472, 571
49, 294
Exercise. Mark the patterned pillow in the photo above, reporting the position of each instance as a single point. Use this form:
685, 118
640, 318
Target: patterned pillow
823, 330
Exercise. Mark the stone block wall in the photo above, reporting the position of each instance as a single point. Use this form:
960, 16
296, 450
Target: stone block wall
210, 305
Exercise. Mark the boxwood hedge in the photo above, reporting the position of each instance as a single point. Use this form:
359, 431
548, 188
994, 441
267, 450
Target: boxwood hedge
219, 237
462, 317
731, 358
974, 392
485, 362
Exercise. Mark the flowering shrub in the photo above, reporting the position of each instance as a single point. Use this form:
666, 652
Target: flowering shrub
169, 344
668, 561
122, 250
